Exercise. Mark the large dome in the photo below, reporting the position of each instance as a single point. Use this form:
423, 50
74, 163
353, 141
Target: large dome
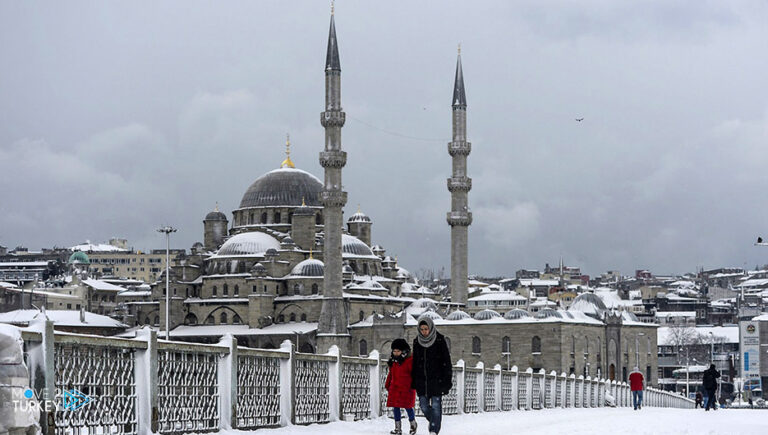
253, 243
283, 187
351, 246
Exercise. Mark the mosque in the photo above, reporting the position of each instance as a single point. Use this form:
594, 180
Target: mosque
287, 267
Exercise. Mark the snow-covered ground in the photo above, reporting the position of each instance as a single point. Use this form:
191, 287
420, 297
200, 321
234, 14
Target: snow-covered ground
562, 421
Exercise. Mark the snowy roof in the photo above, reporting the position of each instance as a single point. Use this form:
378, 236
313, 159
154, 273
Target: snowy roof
753, 283
476, 283
219, 330
24, 264
498, 296
60, 318
675, 313
730, 333
692, 369
96, 247
7, 284
133, 293
539, 282
761, 318
102, 285
51, 293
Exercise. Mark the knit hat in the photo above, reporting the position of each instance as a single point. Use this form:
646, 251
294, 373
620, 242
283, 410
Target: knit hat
401, 345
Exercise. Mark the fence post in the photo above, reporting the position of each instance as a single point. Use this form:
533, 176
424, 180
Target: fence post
228, 383
572, 381
460, 387
334, 385
529, 388
515, 385
481, 387
145, 372
588, 396
46, 366
287, 410
375, 384
499, 394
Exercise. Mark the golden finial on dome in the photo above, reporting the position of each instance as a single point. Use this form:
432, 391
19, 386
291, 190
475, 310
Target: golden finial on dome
287, 163
358, 208
217, 206
459, 48
332, 7
302, 202
310, 253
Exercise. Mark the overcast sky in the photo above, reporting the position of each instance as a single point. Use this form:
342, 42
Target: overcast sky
118, 117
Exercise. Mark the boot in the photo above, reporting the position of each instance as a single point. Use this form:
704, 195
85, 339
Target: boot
413, 427
398, 428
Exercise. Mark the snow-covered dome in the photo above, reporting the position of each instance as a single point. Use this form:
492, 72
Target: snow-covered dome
486, 315
516, 313
458, 315
548, 312
283, 187
258, 269
359, 217
216, 215
589, 303
352, 246
308, 267
252, 243
425, 303
431, 314
403, 273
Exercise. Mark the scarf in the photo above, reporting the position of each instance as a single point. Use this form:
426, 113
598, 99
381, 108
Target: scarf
429, 340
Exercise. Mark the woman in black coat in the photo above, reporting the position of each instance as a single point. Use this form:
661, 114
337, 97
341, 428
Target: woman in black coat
432, 372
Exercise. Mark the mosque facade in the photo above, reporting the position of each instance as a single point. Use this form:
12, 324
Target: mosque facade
287, 267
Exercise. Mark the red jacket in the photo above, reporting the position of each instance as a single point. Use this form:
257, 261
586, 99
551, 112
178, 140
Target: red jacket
635, 381
398, 384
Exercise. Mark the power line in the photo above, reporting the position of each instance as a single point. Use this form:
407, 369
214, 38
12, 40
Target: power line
393, 133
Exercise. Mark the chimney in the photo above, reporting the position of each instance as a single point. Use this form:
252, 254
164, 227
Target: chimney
82, 314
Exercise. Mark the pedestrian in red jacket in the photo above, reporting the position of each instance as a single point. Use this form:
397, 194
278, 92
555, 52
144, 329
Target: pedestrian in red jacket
636, 385
398, 384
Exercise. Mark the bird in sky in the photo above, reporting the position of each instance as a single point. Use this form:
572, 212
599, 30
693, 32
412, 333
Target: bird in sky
579, 119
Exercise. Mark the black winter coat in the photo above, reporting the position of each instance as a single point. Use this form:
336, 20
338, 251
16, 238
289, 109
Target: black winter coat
709, 380
432, 369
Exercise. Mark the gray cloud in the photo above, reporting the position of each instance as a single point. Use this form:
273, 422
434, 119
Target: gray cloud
118, 118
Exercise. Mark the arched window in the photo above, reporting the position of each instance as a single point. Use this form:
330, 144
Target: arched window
237, 320
363, 347
506, 345
476, 348
290, 218
315, 289
250, 219
281, 318
264, 218
214, 291
293, 317
187, 292
573, 345
191, 319
209, 320
223, 318
362, 315
225, 290
536, 344
296, 289
146, 321
157, 320
586, 345
318, 219
303, 317
277, 217
237, 289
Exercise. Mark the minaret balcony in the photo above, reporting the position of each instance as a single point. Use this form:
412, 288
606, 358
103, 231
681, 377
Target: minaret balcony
459, 148
459, 184
333, 159
459, 218
333, 198
332, 118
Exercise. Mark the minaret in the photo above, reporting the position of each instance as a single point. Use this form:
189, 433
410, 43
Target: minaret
459, 218
332, 326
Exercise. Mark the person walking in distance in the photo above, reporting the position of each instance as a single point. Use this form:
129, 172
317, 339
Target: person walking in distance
709, 382
432, 372
398, 385
636, 382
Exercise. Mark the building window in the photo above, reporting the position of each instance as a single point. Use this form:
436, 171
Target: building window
237, 290
253, 289
191, 319
225, 290
69, 306
223, 318
237, 320
536, 344
315, 289
277, 217
318, 219
476, 345
281, 319
292, 317
296, 289
303, 317
362, 315
209, 320
363, 348
506, 345
157, 320
264, 218
214, 291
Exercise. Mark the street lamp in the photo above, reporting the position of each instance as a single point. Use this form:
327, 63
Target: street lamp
687, 373
167, 230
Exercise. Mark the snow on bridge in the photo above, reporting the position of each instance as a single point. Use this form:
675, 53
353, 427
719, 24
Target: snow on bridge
560, 421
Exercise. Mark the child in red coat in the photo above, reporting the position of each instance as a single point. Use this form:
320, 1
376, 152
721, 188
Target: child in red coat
398, 384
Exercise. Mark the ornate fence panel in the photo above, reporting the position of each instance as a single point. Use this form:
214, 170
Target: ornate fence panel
578, 386
568, 389
522, 379
470, 389
548, 387
536, 391
585, 390
559, 392
188, 390
311, 388
489, 381
356, 387
507, 391
450, 400
258, 390
103, 370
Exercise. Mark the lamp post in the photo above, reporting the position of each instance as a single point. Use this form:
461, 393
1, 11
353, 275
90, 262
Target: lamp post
687, 373
167, 230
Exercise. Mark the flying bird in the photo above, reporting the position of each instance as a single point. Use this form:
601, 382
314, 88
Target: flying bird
579, 119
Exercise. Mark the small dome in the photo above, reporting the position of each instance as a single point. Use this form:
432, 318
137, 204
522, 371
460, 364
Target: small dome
253, 243
352, 246
78, 257
288, 241
589, 303
424, 303
347, 269
371, 285
458, 315
258, 269
359, 217
548, 312
403, 273
271, 252
216, 215
516, 313
486, 315
197, 245
309, 267
431, 314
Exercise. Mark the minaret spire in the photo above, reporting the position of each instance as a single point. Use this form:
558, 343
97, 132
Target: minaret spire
334, 316
459, 218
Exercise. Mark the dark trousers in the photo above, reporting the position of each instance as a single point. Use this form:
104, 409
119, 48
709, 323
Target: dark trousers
432, 407
711, 399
